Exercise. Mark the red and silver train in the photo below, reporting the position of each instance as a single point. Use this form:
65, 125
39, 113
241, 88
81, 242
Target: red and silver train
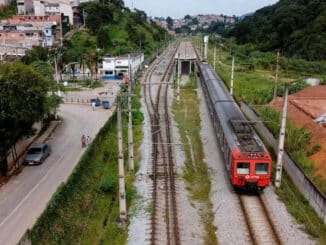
247, 161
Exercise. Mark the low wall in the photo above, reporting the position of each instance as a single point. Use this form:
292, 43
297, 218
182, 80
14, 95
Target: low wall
315, 197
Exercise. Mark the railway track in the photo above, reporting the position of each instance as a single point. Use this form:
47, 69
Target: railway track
164, 221
260, 225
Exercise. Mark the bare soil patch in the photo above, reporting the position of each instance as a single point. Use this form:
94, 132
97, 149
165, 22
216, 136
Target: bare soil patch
303, 108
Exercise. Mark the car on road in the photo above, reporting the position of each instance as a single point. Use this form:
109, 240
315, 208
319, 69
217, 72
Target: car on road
37, 153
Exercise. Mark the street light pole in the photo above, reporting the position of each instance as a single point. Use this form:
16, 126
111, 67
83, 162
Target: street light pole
214, 58
279, 163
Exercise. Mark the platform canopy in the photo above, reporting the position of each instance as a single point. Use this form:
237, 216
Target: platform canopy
186, 51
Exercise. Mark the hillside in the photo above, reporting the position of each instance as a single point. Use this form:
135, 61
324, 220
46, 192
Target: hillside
298, 27
119, 30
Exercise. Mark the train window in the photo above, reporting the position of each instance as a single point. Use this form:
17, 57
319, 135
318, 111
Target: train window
261, 168
243, 167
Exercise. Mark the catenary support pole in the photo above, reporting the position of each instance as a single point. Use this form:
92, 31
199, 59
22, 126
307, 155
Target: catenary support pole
179, 77
276, 74
232, 76
214, 58
220, 53
130, 133
279, 163
122, 188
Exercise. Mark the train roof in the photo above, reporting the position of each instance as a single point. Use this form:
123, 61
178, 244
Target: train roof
238, 130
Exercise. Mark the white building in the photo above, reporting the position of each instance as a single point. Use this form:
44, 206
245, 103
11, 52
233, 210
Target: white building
25, 7
47, 7
117, 67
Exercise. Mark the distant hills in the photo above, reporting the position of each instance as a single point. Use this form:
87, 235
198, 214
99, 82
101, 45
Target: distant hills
298, 27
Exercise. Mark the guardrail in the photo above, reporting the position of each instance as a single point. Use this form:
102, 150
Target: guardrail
78, 101
308, 189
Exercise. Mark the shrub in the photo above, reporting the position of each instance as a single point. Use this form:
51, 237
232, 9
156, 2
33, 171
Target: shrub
109, 184
138, 117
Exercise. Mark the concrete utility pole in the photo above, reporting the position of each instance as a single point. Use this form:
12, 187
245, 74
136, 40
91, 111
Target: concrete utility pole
232, 76
130, 133
56, 72
122, 188
214, 58
179, 78
279, 162
206, 48
84, 18
276, 75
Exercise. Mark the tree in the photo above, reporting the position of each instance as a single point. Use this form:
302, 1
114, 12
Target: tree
194, 21
187, 17
23, 94
36, 54
169, 22
103, 37
97, 15
297, 27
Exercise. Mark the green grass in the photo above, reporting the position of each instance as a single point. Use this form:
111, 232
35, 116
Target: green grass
195, 172
299, 208
82, 211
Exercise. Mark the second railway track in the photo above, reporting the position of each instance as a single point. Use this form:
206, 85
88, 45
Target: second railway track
164, 222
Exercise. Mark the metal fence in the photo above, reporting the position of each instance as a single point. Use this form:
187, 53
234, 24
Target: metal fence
314, 196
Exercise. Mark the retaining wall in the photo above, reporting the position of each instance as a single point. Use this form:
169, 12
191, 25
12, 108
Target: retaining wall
314, 196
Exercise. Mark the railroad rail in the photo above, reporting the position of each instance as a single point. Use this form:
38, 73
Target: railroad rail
260, 225
164, 222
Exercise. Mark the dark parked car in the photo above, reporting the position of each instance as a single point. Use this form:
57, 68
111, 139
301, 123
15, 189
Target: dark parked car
37, 153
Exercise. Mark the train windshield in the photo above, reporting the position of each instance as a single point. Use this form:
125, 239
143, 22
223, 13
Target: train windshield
243, 167
261, 168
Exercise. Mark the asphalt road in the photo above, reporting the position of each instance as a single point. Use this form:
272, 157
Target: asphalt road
25, 196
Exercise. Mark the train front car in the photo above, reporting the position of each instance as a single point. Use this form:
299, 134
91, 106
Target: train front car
247, 160
250, 166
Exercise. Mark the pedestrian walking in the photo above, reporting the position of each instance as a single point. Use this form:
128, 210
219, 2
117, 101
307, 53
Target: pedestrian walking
88, 140
83, 141
93, 105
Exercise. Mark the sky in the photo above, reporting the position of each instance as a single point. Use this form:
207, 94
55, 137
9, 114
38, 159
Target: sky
179, 8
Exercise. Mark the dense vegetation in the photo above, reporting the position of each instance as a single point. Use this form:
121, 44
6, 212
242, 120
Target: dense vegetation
118, 30
23, 101
7, 11
297, 27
